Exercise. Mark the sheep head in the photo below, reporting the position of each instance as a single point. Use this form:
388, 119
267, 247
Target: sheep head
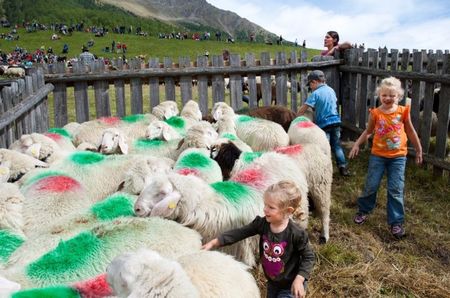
201, 135
165, 110
192, 110
113, 140
160, 130
158, 198
220, 109
36, 145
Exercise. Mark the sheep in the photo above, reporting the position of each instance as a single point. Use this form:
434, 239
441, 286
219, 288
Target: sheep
11, 202
196, 161
200, 135
15, 72
259, 134
161, 130
191, 111
62, 137
41, 147
113, 141
226, 127
303, 131
88, 253
19, 163
165, 110
71, 128
307, 160
146, 274
208, 209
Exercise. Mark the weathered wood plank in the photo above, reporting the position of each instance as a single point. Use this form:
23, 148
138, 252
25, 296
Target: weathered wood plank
281, 80
154, 84
251, 82
444, 113
425, 122
266, 81
185, 81
137, 106
119, 86
202, 62
416, 93
235, 83
59, 99
81, 95
218, 84
169, 82
294, 84
363, 99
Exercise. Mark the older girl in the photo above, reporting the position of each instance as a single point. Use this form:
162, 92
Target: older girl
391, 125
331, 42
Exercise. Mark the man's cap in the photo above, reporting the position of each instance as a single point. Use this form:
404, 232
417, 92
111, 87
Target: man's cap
317, 75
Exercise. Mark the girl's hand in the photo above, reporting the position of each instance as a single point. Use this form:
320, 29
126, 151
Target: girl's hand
297, 288
211, 244
354, 152
419, 157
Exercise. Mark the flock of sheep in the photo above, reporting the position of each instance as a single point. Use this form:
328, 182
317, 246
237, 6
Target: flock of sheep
120, 206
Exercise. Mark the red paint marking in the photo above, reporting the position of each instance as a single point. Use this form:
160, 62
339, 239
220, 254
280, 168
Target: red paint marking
290, 150
53, 136
110, 120
57, 184
94, 288
187, 171
305, 124
252, 177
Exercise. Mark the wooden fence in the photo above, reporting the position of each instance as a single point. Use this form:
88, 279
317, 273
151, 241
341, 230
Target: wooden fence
354, 77
23, 107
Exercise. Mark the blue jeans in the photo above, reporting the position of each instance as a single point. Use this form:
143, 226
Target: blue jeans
275, 292
334, 137
395, 171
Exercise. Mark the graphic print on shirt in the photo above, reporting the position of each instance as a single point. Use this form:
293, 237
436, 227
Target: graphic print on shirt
271, 258
389, 132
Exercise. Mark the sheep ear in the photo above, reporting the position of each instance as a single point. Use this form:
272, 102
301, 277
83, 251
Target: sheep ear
34, 150
121, 186
180, 144
166, 206
166, 133
123, 145
217, 114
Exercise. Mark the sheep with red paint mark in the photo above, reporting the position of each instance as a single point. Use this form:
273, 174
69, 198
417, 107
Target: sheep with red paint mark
207, 208
197, 162
259, 134
303, 131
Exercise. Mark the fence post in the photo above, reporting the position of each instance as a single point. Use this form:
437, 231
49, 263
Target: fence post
169, 83
218, 84
185, 81
119, 86
416, 97
136, 89
102, 106
251, 82
154, 84
294, 84
235, 83
81, 94
281, 81
424, 128
59, 98
266, 82
202, 62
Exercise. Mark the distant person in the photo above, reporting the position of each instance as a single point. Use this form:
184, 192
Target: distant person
65, 49
391, 127
86, 57
284, 250
226, 55
304, 43
324, 102
331, 42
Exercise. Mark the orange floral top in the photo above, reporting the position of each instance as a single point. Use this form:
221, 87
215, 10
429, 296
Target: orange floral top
389, 138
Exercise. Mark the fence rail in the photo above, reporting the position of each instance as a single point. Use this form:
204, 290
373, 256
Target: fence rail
354, 77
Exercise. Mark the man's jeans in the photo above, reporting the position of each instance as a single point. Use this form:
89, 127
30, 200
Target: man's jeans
395, 170
334, 138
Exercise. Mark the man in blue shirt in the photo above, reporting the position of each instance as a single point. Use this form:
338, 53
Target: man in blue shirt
324, 102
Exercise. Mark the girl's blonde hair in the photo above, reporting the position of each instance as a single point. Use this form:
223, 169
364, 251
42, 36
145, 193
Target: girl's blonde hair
393, 84
287, 193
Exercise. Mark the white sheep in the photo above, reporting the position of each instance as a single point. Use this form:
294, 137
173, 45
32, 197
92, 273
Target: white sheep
113, 141
146, 274
303, 131
71, 127
259, 134
191, 111
11, 202
208, 209
19, 163
165, 110
15, 72
95, 248
196, 161
200, 135
226, 127
161, 130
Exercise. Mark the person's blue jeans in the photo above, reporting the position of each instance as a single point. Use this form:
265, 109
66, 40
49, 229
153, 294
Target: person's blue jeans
275, 292
334, 137
395, 171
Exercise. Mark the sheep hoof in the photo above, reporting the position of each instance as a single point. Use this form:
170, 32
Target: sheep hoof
322, 240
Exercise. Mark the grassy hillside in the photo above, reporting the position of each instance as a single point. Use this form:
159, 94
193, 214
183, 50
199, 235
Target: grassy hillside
151, 46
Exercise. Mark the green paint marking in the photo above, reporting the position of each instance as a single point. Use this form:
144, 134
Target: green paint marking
234, 192
176, 122
42, 175
146, 143
229, 136
114, 206
245, 118
50, 292
194, 160
9, 243
301, 119
133, 118
86, 157
67, 260
60, 131
248, 157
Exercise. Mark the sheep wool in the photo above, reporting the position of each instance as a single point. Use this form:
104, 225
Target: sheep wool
10, 242
303, 131
196, 161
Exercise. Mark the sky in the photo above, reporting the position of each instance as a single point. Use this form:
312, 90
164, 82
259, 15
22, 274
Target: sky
396, 24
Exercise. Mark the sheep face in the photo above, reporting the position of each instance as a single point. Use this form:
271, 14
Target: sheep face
158, 130
220, 109
113, 141
159, 198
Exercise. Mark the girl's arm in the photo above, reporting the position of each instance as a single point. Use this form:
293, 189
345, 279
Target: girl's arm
414, 138
363, 137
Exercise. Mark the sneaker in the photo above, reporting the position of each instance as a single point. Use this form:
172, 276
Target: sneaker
360, 218
344, 172
398, 231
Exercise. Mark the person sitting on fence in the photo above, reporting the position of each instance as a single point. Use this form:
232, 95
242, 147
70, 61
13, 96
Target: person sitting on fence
324, 102
331, 42
86, 57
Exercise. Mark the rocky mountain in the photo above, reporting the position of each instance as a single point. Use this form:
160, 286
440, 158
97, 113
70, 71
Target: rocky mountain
194, 15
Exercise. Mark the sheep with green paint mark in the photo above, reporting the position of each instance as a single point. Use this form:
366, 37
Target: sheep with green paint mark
303, 131
165, 110
146, 274
88, 253
207, 208
259, 134
196, 161
226, 127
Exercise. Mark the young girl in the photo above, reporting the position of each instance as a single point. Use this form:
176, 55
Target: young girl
388, 123
285, 253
